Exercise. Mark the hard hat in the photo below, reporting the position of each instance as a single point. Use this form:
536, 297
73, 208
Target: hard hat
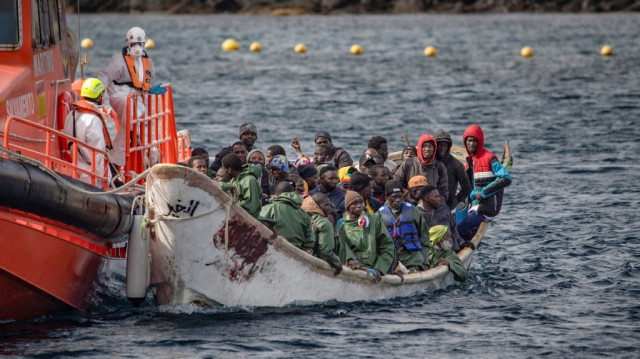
136, 34
92, 88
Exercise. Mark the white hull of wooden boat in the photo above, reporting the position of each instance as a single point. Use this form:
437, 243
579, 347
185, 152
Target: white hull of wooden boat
191, 262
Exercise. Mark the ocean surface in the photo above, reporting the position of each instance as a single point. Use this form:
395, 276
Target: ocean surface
557, 274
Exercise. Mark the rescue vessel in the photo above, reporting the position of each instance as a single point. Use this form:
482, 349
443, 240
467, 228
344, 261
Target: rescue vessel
58, 232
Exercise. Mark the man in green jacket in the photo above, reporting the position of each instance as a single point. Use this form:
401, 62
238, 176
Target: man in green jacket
407, 227
244, 183
289, 219
367, 238
442, 254
319, 207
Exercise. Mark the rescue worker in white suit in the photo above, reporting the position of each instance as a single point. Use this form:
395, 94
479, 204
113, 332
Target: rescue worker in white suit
128, 72
87, 121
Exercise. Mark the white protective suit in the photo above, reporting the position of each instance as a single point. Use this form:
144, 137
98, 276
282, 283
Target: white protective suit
88, 129
117, 71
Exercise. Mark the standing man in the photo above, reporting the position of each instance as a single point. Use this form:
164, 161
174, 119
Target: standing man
248, 134
130, 71
340, 157
87, 122
426, 165
329, 186
488, 179
455, 170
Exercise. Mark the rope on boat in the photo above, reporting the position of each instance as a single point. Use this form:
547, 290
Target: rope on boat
13, 155
226, 230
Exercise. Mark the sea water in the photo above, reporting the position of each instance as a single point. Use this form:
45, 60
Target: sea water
557, 274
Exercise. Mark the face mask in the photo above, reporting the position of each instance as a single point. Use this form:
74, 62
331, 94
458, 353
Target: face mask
136, 51
445, 245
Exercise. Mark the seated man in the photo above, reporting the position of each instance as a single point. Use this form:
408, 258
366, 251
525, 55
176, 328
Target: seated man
322, 157
199, 164
380, 175
361, 183
279, 168
455, 170
488, 178
310, 175
437, 213
244, 183
340, 157
415, 184
289, 219
426, 165
248, 136
329, 186
366, 237
319, 209
443, 255
199, 151
407, 228
379, 144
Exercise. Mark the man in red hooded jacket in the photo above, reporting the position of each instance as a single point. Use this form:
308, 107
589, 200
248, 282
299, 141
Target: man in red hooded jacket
425, 165
488, 179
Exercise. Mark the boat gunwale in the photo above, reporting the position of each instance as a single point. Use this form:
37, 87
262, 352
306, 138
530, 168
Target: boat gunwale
203, 182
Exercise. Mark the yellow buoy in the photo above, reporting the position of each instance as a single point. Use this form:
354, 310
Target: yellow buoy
255, 47
356, 49
86, 43
230, 45
526, 52
150, 44
430, 51
300, 49
606, 50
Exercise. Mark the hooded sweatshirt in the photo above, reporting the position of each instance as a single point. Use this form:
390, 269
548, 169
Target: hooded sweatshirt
487, 176
325, 248
455, 173
291, 221
371, 244
249, 191
432, 169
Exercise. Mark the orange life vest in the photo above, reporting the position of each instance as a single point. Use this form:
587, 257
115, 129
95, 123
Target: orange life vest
146, 68
86, 107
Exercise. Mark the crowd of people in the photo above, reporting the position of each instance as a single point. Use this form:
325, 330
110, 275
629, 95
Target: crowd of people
376, 214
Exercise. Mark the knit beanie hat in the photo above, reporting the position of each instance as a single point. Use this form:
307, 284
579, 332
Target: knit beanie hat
343, 174
322, 134
436, 233
302, 161
443, 136
247, 127
280, 162
307, 171
351, 197
359, 181
417, 181
254, 151
392, 186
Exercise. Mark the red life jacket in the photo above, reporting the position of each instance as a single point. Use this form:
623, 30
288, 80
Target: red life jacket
146, 69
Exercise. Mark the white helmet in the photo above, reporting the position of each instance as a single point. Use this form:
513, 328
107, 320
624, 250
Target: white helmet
136, 34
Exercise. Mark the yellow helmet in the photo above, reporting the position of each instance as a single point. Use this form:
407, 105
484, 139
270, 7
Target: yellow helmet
92, 88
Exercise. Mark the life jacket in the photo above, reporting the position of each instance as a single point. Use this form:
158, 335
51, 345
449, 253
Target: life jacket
402, 229
102, 113
135, 79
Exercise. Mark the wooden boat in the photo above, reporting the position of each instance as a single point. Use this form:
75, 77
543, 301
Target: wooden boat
207, 250
58, 232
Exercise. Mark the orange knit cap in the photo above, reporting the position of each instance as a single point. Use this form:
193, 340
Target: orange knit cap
417, 181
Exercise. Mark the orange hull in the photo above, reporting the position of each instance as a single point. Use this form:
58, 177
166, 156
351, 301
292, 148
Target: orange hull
46, 267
